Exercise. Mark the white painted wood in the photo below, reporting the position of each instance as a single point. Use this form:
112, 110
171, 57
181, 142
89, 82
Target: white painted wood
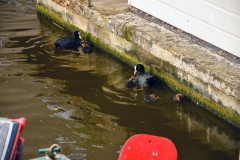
214, 21
230, 5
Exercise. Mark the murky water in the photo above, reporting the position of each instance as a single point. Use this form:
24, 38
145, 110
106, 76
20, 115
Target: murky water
79, 100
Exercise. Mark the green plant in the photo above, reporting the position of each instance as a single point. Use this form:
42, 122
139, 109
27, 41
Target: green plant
127, 32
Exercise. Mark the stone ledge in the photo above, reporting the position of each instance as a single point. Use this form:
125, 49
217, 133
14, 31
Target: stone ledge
200, 69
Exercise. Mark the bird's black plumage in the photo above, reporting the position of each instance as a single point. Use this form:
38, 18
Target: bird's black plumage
87, 49
87, 46
143, 79
69, 42
130, 83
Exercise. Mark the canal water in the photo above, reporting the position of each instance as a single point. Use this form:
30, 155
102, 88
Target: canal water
79, 100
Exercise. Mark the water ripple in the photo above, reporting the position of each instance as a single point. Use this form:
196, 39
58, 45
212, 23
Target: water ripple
62, 139
1, 39
78, 148
55, 107
48, 100
65, 115
75, 125
120, 97
6, 63
2, 56
97, 146
82, 135
77, 156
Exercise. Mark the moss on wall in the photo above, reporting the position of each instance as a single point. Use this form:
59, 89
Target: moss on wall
127, 32
221, 111
230, 116
56, 18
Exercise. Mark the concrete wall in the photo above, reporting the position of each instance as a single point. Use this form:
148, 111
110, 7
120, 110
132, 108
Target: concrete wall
182, 63
214, 21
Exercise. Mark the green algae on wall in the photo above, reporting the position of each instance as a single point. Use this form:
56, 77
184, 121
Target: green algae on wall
56, 18
127, 32
228, 115
221, 111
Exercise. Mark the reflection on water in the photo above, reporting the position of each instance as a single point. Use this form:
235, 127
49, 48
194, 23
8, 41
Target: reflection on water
3, 60
2, 39
79, 100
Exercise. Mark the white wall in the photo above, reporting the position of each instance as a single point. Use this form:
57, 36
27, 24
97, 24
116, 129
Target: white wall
214, 21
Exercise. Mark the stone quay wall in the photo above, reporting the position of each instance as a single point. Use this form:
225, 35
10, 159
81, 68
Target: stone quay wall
209, 79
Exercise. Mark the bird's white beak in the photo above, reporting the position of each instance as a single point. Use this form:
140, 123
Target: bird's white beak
135, 71
79, 35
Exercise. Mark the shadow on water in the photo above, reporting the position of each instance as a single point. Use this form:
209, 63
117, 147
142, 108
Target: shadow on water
80, 102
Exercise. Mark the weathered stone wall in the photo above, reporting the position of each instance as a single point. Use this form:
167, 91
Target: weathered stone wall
206, 77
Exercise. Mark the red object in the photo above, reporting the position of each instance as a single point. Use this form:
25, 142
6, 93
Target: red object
21, 122
11, 144
18, 140
148, 147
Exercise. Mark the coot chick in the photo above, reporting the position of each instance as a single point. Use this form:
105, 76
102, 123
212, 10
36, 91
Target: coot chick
86, 46
150, 98
178, 97
130, 83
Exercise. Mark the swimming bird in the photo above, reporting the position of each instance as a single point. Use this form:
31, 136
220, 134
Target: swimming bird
130, 83
142, 78
178, 97
87, 47
69, 42
150, 97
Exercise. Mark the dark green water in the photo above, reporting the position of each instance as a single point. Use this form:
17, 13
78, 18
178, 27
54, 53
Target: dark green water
79, 100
